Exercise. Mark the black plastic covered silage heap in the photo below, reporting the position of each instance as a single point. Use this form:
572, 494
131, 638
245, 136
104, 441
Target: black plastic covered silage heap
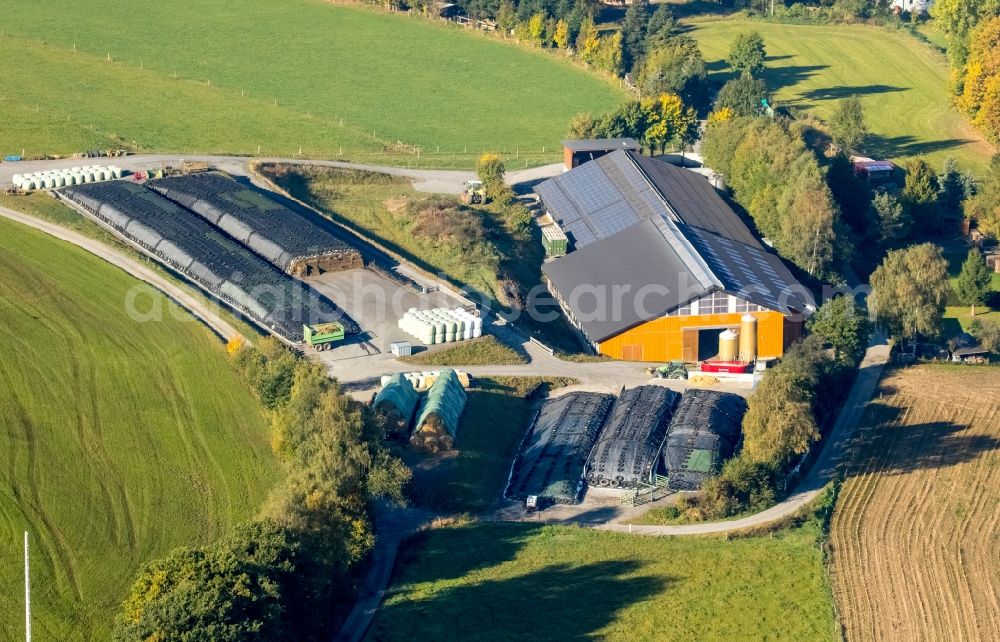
706, 427
189, 244
629, 445
554, 452
267, 227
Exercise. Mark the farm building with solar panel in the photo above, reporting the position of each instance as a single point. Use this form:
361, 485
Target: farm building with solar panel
660, 267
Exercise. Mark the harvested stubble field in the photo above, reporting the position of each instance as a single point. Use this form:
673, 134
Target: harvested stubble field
915, 533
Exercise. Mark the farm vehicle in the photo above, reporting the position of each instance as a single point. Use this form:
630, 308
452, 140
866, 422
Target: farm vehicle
474, 194
672, 370
322, 336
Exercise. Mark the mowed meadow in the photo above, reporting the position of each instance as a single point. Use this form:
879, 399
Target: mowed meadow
121, 440
335, 81
517, 581
902, 83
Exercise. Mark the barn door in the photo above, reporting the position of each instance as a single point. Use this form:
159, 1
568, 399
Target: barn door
689, 345
632, 353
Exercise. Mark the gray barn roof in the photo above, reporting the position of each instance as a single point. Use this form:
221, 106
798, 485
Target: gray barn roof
638, 222
603, 197
601, 144
625, 280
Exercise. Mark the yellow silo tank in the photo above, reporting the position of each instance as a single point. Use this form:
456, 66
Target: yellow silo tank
728, 345
748, 337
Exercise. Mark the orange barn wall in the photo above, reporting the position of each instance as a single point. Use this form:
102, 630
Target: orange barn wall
661, 339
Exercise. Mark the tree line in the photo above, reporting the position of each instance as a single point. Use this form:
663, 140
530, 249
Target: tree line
287, 575
972, 28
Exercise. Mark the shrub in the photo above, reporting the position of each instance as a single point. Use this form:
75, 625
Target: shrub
444, 221
519, 220
742, 485
491, 172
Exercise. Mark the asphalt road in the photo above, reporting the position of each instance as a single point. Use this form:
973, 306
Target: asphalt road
425, 180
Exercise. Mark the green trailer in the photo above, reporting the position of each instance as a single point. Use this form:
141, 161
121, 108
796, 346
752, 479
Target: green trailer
554, 240
322, 336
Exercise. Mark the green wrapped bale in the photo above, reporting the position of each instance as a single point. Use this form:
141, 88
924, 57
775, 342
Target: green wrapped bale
397, 401
439, 414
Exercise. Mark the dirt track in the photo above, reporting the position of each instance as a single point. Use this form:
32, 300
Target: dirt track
916, 532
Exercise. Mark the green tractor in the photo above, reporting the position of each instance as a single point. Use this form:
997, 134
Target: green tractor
673, 370
474, 194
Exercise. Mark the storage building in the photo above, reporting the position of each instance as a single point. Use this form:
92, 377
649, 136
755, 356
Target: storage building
578, 152
659, 264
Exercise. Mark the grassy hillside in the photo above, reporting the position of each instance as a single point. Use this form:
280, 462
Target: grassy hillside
121, 440
902, 83
238, 74
517, 581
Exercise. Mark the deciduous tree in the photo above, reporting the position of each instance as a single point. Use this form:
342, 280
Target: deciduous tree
536, 29
844, 325
909, 290
506, 17
747, 55
984, 206
561, 35
987, 333
779, 422
981, 80
588, 40
848, 124
742, 95
957, 18
608, 55
491, 171
668, 120
582, 126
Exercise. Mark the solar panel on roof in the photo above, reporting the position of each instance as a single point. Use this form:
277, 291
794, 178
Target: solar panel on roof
745, 270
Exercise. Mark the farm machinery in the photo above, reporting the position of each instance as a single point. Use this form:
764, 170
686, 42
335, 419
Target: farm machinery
672, 370
474, 194
322, 336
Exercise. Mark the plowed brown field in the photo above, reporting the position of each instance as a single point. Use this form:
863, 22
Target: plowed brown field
916, 531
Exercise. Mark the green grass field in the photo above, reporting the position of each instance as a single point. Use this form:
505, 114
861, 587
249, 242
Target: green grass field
121, 441
902, 83
504, 581
229, 76
958, 318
